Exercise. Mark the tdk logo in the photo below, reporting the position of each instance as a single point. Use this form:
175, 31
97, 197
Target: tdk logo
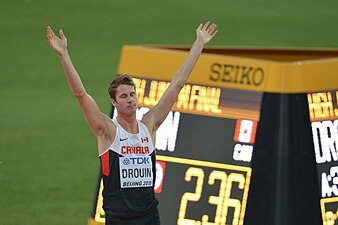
126, 161
136, 160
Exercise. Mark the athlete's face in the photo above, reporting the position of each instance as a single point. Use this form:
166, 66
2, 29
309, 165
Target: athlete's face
125, 99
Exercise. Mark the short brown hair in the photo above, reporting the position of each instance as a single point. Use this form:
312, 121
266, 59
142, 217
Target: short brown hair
120, 79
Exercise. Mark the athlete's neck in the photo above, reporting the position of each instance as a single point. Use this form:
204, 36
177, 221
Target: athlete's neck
128, 123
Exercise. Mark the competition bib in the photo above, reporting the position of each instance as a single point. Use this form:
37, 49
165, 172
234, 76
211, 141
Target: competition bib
136, 171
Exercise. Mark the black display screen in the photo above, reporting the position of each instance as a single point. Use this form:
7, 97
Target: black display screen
206, 178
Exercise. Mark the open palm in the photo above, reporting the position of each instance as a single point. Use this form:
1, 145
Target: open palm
206, 32
58, 44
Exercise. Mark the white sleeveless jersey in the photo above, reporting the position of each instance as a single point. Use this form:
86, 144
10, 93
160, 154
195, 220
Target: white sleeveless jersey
128, 172
135, 161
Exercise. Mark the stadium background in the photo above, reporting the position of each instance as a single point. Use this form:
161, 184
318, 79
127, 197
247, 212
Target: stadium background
48, 157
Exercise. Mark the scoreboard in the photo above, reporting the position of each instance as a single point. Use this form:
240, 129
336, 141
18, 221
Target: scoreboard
205, 145
204, 149
323, 108
203, 168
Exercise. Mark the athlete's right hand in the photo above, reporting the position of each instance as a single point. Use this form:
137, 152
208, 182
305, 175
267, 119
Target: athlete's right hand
59, 45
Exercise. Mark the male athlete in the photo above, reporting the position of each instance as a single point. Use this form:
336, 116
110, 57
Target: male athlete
126, 145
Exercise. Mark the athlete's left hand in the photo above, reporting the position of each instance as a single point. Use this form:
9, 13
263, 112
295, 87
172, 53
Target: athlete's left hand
206, 32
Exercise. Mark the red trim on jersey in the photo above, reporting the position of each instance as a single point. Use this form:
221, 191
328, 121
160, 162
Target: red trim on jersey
105, 163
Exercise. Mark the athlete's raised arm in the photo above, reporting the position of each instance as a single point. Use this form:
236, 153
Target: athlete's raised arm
155, 116
98, 122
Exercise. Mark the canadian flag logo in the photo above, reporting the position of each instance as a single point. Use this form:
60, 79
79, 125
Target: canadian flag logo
145, 140
245, 131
